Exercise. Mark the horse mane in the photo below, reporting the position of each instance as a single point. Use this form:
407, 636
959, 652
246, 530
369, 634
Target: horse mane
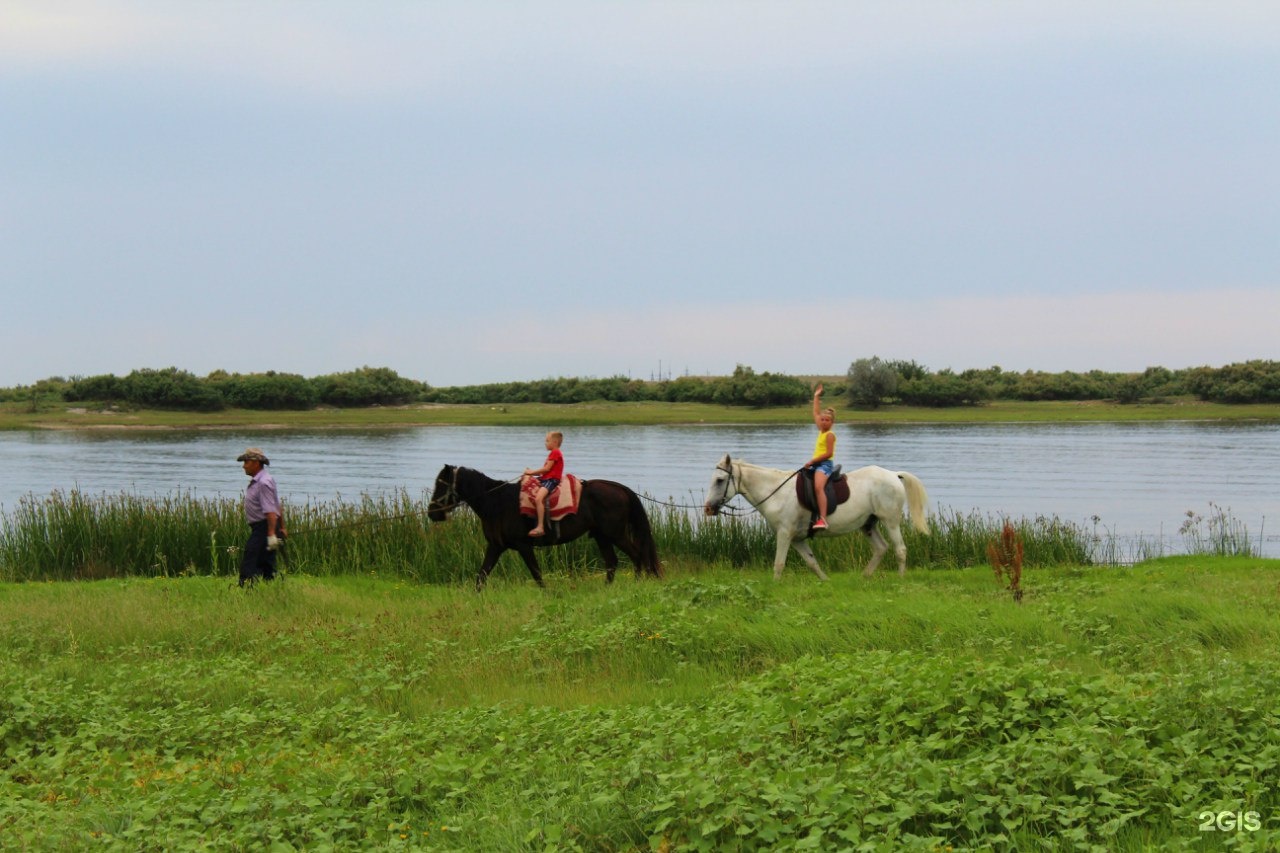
472, 476
481, 492
767, 468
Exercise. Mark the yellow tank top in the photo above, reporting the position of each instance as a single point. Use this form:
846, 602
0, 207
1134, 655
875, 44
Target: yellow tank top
820, 449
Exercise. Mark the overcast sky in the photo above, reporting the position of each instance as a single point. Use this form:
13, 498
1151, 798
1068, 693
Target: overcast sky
476, 191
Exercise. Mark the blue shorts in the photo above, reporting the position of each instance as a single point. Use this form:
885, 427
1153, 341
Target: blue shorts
826, 466
549, 484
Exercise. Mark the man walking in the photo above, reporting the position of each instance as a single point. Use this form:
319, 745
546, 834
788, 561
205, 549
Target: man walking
262, 512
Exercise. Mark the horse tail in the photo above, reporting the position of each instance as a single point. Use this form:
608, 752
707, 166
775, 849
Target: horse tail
641, 533
917, 497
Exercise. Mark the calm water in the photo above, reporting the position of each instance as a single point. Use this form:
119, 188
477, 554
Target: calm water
1137, 479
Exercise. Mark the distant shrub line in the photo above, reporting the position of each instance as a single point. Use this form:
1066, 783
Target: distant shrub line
869, 383
171, 388
873, 382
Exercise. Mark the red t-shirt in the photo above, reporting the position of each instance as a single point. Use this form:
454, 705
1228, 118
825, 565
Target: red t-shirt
556, 458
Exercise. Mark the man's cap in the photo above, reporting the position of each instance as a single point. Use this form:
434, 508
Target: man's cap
255, 454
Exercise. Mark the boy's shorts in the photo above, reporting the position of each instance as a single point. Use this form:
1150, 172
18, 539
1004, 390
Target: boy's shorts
826, 466
549, 484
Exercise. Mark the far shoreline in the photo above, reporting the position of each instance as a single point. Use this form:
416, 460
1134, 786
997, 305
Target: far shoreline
57, 417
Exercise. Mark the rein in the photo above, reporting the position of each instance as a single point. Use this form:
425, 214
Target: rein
754, 505
458, 500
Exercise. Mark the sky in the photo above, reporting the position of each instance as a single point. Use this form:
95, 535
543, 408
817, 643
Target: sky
471, 192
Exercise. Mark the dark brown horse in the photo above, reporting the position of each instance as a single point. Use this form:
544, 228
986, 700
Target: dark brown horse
609, 512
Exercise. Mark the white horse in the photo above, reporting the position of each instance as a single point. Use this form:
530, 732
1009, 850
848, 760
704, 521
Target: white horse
875, 494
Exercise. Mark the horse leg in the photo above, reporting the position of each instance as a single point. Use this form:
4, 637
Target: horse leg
530, 560
491, 555
634, 554
878, 548
609, 556
804, 550
899, 548
780, 555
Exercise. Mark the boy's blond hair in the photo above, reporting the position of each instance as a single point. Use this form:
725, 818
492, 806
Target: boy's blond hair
556, 435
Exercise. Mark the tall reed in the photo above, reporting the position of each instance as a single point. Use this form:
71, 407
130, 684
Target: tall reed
69, 535
735, 540
1217, 533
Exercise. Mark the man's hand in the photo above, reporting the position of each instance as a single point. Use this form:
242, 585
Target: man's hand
273, 542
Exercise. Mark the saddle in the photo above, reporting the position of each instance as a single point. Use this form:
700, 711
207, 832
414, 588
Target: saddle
561, 502
837, 491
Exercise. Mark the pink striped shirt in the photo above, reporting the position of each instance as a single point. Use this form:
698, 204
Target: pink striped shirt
261, 498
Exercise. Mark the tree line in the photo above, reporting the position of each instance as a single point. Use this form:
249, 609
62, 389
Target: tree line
171, 388
872, 382
868, 383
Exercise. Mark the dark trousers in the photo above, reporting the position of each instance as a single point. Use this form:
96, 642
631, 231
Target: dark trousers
257, 562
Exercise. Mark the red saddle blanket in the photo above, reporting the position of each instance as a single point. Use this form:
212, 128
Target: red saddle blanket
563, 501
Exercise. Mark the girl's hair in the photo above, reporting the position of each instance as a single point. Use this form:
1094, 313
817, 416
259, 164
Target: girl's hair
829, 411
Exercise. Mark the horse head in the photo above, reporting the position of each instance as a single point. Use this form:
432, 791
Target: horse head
444, 497
723, 487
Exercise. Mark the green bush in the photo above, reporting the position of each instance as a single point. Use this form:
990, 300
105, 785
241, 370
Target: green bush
1068, 385
268, 390
368, 386
943, 388
105, 388
870, 382
688, 389
49, 390
170, 389
744, 388
748, 388
1249, 382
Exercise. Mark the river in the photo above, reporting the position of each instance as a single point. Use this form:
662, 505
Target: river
1132, 481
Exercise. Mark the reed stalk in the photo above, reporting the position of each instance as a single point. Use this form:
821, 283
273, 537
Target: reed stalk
74, 536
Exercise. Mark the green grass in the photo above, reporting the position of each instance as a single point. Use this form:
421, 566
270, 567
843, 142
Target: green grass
713, 710
65, 416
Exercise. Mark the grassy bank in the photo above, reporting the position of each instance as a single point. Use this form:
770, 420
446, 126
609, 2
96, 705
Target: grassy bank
714, 710
60, 416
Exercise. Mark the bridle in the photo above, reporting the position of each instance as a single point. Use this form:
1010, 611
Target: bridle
456, 499
754, 505
728, 470
451, 495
